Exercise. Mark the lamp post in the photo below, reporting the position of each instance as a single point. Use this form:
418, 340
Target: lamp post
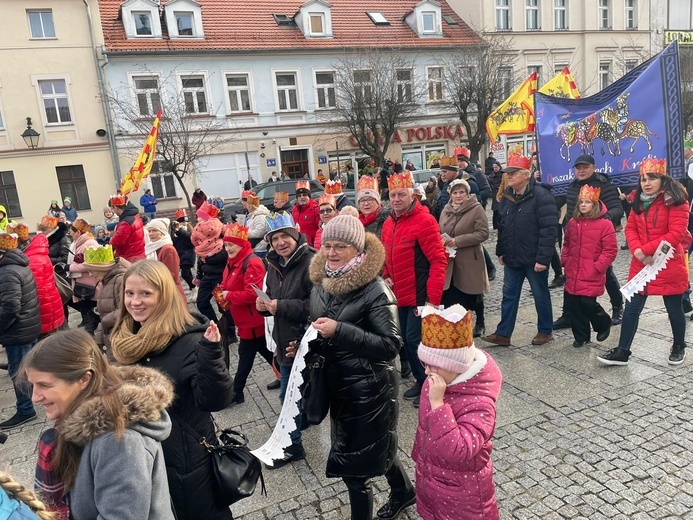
30, 136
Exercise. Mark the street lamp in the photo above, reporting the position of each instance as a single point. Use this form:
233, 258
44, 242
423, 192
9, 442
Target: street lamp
30, 136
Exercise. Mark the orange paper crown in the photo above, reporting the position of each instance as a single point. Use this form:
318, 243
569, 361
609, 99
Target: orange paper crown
327, 199
462, 151
438, 332
653, 165
207, 211
448, 161
253, 200
247, 193
81, 225
236, 233
303, 185
281, 196
117, 200
398, 181
515, 160
21, 230
8, 242
588, 192
333, 187
49, 221
367, 183
180, 213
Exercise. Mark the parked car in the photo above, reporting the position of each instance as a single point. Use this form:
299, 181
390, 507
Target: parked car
422, 176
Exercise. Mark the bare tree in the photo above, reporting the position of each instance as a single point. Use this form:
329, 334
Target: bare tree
188, 131
374, 93
686, 67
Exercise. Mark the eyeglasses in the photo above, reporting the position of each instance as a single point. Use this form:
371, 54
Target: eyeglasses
303, 195
366, 201
337, 248
326, 211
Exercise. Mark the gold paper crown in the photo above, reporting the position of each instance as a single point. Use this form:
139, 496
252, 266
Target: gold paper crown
7, 242
437, 331
281, 196
303, 185
234, 232
21, 230
588, 192
49, 221
398, 181
333, 187
448, 161
247, 193
99, 255
367, 183
327, 199
653, 165
81, 225
117, 200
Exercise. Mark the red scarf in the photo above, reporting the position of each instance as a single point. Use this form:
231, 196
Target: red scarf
367, 220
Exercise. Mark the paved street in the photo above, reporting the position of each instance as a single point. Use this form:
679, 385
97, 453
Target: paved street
574, 439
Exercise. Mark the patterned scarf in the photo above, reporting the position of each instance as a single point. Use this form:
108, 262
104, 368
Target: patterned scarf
647, 199
47, 484
129, 347
351, 264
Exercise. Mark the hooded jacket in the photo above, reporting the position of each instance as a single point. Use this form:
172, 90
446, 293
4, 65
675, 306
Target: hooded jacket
108, 294
308, 218
20, 321
59, 244
257, 227
5, 220
452, 448
128, 239
241, 295
183, 245
362, 382
589, 248
50, 303
117, 477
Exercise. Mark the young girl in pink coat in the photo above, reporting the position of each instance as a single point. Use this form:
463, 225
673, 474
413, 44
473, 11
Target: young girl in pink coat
589, 249
457, 418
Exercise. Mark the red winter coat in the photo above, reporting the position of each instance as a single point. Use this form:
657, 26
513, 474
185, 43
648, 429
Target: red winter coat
308, 218
250, 323
168, 256
589, 249
646, 230
415, 259
452, 449
50, 304
128, 239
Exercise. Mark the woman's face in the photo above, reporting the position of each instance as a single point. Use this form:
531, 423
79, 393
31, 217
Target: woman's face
54, 394
232, 249
74, 233
496, 167
141, 298
338, 253
650, 186
459, 195
586, 206
368, 205
154, 234
327, 213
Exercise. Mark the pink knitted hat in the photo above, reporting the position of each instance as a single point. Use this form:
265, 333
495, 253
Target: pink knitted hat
447, 339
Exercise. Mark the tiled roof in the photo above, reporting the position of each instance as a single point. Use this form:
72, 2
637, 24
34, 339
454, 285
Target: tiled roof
240, 25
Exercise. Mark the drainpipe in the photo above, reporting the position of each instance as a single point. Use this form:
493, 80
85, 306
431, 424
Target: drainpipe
115, 162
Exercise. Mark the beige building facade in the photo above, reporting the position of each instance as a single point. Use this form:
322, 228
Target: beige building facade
49, 73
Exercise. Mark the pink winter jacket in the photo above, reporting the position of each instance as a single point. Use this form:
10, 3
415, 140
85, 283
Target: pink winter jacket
452, 450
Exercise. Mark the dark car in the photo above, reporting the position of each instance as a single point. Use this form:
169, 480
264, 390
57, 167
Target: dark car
266, 193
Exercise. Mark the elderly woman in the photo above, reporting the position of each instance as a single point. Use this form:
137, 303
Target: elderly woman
255, 222
371, 212
83, 283
328, 210
160, 247
464, 221
355, 313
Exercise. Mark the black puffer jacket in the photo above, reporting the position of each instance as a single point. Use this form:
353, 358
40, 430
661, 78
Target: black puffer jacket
290, 286
59, 244
202, 385
20, 321
213, 266
609, 196
481, 180
184, 248
362, 380
527, 234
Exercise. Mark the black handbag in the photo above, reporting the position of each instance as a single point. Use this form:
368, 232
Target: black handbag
236, 470
315, 402
84, 291
63, 285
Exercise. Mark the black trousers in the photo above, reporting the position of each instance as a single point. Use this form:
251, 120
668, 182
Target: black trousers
496, 219
361, 490
490, 266
247, 348
556, 263
471, 302
613, 288
586, 311
204, 297
186, 274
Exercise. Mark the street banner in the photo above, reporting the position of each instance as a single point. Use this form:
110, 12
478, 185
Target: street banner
636, 117
515, 115
145, 161
561, 85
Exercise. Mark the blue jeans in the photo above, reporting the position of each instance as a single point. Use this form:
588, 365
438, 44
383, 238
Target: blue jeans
513, 280
410, 326
151, 215
285, 371
631, 317
15, 355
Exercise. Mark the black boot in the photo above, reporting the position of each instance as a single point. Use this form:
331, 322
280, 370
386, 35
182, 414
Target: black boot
479, 330
395, 505
406, 368
616, 315
292, 453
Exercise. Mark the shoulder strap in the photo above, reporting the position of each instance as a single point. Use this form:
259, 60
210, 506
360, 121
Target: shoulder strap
245, 262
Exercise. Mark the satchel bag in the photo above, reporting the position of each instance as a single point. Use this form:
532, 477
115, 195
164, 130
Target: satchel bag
236, 470
64, 288
315, 400
84, 291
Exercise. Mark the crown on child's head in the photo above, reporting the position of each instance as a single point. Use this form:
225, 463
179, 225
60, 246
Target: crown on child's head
447, 329
588, 192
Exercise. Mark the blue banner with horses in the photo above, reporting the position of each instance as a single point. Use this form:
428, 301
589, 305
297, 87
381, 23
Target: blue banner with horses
637, 116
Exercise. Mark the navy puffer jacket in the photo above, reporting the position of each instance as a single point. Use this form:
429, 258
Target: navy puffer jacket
20, 320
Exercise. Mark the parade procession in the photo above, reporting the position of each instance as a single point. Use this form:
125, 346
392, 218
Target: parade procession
267, 260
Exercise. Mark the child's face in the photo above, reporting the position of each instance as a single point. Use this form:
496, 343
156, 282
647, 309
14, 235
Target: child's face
447, 376
102, 233
586, 206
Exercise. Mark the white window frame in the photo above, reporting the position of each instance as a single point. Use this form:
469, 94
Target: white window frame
431, 91
532, 10
403, 84
325, 87
320, 16
159, 176
205, 89
631, 15
2, 114
540, 71
630, 64
364, 87
134, 15
507, 88
297, 87
191, 14
604, 13
41, 97
237, 90
174, 7
434, 18
147, 92
560, 10
41, 13
605, 73
503, 13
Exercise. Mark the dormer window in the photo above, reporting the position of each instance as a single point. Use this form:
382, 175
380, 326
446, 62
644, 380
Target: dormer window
426, 19
317, 24
314, 18
185, 23
141, 19
143, 23
428, 22
183, 19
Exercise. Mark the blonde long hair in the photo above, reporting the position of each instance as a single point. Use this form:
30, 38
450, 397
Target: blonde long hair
15, 490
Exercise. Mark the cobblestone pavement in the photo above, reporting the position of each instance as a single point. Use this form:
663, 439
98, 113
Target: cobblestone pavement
574, 439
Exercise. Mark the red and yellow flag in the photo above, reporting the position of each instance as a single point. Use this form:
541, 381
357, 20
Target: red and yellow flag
516, 114
562, 85
144, 162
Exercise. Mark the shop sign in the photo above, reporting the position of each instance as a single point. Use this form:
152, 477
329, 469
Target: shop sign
683, 37
424, 133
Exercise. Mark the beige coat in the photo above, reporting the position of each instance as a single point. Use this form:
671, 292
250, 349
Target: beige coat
468, 226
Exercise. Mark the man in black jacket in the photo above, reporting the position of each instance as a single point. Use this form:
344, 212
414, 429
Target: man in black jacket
525, 245
477, 176
20, 322
586, 174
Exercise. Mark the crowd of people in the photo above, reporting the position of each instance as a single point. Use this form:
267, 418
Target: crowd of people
399, 276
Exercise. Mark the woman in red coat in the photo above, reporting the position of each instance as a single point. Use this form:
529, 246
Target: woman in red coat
244, 268
160, 247
659, 213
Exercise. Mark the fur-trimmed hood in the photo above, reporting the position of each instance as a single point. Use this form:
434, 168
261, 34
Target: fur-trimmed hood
145, 392
358, 277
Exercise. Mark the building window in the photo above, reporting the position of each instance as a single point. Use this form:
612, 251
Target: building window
604, 14
503, 15
147, 94
631, 20
238, 86
163, 181
363, 88
535, 68
8, 194
558, 67
317, 24
505, 80
532, 19
325, 89
185, 23
404, 85
143, 23
74, 185
428, 22
435, 84
605, 77
287, 90
41, 24
630, 65
194, 94
560, 14
2, 121
55, 101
